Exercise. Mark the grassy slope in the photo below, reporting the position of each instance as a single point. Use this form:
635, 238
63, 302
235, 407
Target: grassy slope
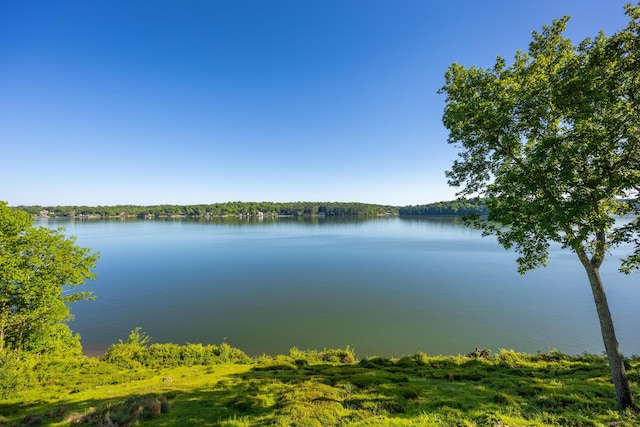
509, 389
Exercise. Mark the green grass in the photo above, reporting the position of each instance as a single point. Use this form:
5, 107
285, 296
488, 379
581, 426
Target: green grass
328, 388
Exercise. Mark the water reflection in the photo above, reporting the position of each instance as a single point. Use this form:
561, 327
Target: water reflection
387, 286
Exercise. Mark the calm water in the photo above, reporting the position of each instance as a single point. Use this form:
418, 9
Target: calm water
388, 287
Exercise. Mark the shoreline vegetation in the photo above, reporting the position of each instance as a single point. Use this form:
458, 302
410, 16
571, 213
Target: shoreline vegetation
256, 210
219, 385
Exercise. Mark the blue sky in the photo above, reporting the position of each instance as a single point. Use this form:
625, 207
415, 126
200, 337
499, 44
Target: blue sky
186, 102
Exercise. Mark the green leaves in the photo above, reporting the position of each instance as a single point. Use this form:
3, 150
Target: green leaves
552, 144
552, 140
39, 269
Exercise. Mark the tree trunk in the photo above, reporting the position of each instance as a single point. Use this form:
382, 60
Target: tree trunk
616, 361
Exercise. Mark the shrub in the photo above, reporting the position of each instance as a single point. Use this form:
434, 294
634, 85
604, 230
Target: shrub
345, 356
138, 337
134, 353
418, 359
128, 354
124, 355
228, 354
160, 355
513, 358
16, 373
194, 354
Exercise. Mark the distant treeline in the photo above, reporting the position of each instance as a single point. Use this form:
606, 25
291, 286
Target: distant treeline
450, 208
455, 207
217, 210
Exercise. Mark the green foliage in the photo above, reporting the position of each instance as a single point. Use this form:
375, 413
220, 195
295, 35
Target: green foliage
39, 269
346, 355
267, 209
16, 373
450, 208
551, 144
125, 355
138, 338
135, 353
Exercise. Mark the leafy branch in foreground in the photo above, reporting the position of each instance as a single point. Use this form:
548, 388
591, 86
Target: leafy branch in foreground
39, 269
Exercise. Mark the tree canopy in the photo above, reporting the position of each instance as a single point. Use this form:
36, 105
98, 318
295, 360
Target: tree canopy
551, 142
219, 209
39, 269
448, 208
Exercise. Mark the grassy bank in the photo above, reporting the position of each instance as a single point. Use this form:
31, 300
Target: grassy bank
170, 385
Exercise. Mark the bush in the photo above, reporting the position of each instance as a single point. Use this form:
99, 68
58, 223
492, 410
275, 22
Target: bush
162, 355
195, 354
134, 353
345, 356
227, 354
16, 373
124, 355
56, 339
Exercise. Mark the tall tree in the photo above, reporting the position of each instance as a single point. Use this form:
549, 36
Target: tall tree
552, 142
39, 269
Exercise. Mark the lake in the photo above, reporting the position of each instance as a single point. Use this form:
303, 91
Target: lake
388, 287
